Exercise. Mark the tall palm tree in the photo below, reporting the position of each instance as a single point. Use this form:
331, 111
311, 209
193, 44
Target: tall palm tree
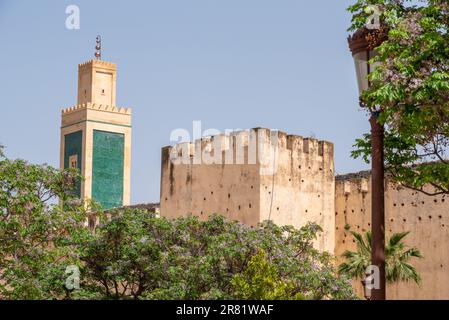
397, 257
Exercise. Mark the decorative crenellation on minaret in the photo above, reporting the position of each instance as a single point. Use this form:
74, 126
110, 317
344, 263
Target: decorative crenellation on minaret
96, 137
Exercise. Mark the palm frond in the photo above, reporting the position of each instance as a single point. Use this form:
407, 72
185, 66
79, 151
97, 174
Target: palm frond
402, 272
362, 246
369, 239
412, 252
397, 258
396, 238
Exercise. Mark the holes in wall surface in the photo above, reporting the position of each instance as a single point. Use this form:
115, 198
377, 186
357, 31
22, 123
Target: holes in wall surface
211, 192
440, 216
239, 207
435, 200
250, 206
430, 217
307, 210
419, 218
204, 198
166, 199
229, 196
302, 180
277, 208
102, 92
299, 167
402, 204
405, 220
336, 213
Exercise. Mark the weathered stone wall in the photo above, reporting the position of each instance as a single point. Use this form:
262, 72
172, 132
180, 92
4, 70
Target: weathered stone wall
290, 180
426, 217
203, 189
302, 188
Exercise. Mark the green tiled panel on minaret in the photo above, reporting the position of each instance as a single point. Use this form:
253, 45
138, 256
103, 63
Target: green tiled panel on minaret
107, 168
73, 144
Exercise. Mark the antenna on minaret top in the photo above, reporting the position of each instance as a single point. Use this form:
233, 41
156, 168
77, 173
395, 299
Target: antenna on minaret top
98, 48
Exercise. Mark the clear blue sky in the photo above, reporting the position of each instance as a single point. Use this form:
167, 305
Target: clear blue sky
280, 64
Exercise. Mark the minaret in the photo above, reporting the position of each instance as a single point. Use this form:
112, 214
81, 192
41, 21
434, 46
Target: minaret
96, 136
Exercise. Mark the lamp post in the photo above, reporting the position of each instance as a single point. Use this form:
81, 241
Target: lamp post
362, 44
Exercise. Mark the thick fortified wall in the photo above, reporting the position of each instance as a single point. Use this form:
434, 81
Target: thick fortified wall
426, 217
252, 176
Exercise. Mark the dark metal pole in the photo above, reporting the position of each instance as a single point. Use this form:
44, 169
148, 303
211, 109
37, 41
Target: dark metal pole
378, 204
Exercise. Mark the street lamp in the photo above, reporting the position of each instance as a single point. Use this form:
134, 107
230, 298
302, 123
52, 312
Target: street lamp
362, 44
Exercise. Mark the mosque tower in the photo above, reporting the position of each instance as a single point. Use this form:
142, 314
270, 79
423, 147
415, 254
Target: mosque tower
96, 136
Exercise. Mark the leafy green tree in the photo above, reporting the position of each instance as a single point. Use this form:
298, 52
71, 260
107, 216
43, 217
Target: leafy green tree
35, 233
397, 259
260, 281
123, 258
136, 255
133, 254
410, 88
